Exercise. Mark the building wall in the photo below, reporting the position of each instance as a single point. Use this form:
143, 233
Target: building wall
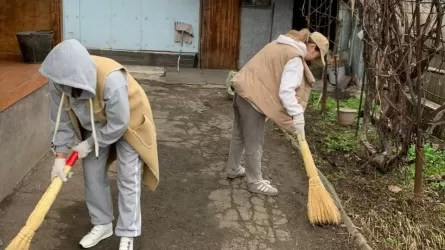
256, 30
21, 15
130, 24
24, 133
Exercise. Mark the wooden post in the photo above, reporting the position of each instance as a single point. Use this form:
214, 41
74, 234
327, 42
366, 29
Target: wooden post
308, 17
337, 94
418, 174
324, 94
420, 154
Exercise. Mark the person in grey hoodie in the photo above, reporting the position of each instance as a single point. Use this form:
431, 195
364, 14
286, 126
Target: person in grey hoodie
72, 73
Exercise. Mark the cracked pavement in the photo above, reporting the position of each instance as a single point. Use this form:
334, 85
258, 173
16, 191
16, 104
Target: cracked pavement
195, 206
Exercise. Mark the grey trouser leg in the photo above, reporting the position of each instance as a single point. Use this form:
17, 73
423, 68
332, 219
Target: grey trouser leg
98, 194
129, 166
237, 142
247, 134
97, 187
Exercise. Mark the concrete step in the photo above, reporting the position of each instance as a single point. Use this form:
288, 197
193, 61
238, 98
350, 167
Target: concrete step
149, 58
170, 75
151, 73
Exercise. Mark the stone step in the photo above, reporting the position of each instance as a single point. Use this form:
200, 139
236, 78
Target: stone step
142, 72
149, 58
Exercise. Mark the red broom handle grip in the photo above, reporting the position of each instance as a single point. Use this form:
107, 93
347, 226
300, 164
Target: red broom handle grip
72, 159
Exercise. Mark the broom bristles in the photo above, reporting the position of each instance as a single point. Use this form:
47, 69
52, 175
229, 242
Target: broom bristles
321, 207
22, 241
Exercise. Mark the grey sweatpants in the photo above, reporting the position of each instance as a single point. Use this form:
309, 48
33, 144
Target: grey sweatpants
247, 136
98, 193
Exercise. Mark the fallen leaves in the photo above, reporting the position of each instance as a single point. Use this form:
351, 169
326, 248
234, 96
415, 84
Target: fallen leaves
394, 189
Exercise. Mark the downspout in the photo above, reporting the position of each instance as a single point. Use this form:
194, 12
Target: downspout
363, 82
200, 33
271, 21
354, 22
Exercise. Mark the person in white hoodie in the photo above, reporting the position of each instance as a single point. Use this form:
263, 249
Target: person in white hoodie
275, 83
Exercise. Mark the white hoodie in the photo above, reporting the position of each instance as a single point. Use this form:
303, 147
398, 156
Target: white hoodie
291, 78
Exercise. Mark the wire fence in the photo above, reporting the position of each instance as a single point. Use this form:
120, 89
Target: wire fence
321, 16
404, 56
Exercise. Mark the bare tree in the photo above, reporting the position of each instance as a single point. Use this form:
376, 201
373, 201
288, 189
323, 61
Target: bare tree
401, 38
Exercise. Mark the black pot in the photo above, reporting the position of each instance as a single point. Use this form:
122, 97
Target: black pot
35, 45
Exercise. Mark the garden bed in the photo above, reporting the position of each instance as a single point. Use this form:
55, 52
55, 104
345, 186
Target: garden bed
382, 206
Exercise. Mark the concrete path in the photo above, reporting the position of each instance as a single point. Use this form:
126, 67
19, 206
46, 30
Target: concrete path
195, 206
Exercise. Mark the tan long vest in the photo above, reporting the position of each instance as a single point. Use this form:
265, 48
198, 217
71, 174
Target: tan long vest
259, 82
141, 132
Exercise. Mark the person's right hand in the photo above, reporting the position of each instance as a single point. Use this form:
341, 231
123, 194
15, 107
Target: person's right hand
83, 149
298, 125
58, 169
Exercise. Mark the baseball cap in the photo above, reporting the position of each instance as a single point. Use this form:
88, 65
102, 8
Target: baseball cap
322, 43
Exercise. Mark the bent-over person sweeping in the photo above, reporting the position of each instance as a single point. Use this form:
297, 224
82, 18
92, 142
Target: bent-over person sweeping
95, 100
275, 83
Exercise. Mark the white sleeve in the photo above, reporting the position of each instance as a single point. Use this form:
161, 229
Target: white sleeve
291, 79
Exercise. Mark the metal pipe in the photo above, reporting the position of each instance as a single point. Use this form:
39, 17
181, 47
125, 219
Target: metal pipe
271, 21
201, 2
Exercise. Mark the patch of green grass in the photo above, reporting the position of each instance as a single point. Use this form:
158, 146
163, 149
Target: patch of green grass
352, 103
391, 241
336, 176
338, 138
434, 165
331, 105
342, 141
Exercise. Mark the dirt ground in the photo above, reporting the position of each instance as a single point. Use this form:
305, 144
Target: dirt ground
195, 206
388, 220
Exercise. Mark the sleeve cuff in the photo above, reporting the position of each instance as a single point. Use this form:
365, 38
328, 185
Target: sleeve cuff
90, 141
64, 150
297, 110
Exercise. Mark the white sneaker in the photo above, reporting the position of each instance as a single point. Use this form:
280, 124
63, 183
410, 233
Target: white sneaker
232, 174
126, 243
262, 187
98, 233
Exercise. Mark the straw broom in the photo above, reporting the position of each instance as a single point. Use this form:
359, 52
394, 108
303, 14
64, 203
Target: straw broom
321, 207
23, 239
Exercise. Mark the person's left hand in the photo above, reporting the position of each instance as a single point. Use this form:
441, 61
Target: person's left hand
58, 169
83, 149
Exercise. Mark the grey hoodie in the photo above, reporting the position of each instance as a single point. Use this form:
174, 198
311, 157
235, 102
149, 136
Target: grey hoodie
68, 66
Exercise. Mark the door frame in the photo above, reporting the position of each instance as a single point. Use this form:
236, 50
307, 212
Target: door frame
56, 20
